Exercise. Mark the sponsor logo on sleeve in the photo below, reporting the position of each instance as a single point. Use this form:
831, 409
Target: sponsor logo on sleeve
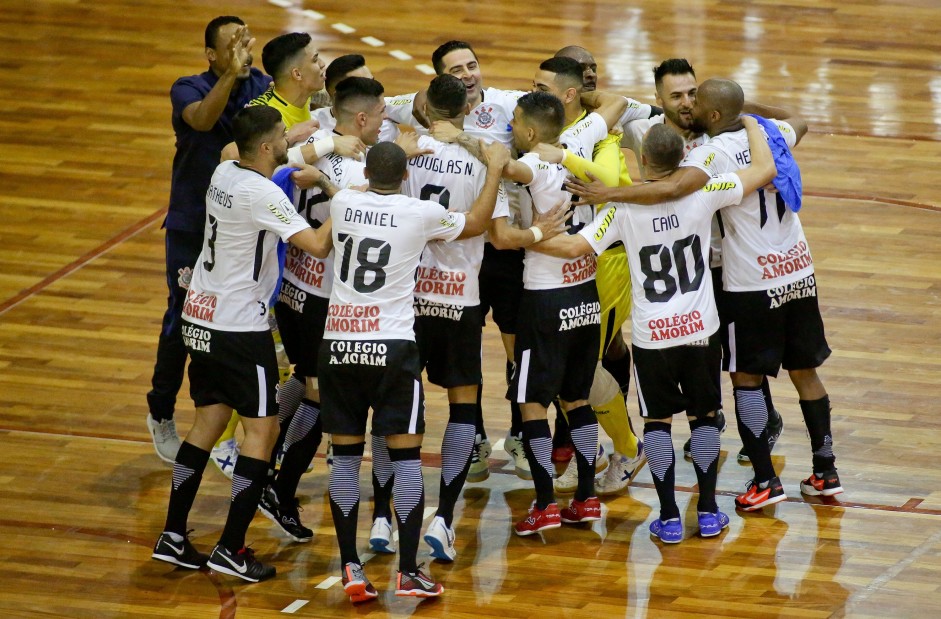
603, 228
276, 211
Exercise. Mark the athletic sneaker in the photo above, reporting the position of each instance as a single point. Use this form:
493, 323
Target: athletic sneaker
380, 536
285, 514
621, 471
775, 427
513, 445
669, 532
356, 585
539, 520
711, 524
242, 564
166, 440
178, 553
441, 539
479, 467
417, 584
224, 456
688, 450
760, 495
588, 510
563, 452
568, 481
825, 484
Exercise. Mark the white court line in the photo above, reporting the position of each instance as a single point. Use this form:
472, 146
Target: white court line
294, 606
329, 582
373, 41
425, 69
399, 54
366, 556
498, 445
284, 4
429, 511
312, 14
343, 28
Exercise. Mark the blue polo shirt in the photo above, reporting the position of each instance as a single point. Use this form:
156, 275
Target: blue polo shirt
197, 152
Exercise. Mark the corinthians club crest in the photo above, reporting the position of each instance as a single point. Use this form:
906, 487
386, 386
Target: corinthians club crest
485, 118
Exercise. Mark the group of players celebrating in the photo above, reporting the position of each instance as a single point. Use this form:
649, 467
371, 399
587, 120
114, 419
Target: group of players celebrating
409, 218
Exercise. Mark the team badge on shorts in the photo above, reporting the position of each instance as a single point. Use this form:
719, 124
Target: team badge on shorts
485, 119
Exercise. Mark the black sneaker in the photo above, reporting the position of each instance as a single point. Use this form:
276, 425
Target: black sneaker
688, 450
285, 515
178, 553
775, 427
242, 564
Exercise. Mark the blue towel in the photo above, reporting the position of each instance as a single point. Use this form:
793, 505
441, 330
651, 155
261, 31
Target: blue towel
788, 181
282, 178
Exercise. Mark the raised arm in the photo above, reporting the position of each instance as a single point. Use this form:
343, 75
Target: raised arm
203, 115
480, 215
682, 182
608, 105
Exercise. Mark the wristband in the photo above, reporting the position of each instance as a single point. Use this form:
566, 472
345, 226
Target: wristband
537, 233
323, 147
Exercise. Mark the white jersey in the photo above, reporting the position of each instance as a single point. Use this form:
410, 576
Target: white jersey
311, 274
388, 131
581, 136
635, 111
542, 271
378, 241
237, 270
763, 242
667, 251
453, 178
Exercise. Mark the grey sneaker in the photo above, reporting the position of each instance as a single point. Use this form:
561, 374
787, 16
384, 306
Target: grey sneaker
166, 440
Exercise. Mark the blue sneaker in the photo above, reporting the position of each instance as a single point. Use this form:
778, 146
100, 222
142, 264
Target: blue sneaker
711, 524
669, 532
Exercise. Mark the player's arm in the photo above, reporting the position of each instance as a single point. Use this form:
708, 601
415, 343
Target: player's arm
579, 166
778, 113
762, 169
505, 236
680, 183
445, 131
309, 176
478, 219
610, 106
564, 246
203, 115
317, 243
343, 145
408, 141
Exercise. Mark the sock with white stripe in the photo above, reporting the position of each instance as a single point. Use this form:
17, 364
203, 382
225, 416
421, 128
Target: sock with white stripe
300, 444
409, 498
817, 418
704, 445
537, 443
249, 478
187, 475
751, 412
583, 426
344, 497
382, 474
289, 398
660, 458
456, 450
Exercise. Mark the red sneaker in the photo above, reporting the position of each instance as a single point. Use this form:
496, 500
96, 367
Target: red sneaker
419, 585
563, 453
588, 510
356, 585
756, 497
827, 484
539, 520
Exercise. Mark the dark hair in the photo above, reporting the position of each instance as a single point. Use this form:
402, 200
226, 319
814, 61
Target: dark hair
568, 68
663, 147
251, 124
281, 50
341, 67
437, 58
546, 111
355, 92
212, 28
447, 95
386, 163
671, 66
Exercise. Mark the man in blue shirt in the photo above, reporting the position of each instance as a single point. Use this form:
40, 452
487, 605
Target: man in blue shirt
203, 108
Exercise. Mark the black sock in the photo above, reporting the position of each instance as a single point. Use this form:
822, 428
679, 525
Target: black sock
537, 443
409, 499
300, 445
344, 497
187, 474
562, 434
751, 414
662, 462
620, 369
817, 418
382, 474
704, 444
516, 420
479, 414
249, 479
766, 391
584, 429
456, 449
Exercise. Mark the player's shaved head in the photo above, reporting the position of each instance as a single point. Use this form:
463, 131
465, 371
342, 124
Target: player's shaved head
722, 95
385, 165
544, 113
447, 97
340, 69
281, 53
587, 62
576, 53
567, 71
355, 95
663, 148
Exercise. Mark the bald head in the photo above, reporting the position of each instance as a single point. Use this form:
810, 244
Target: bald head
718, 105
663, 149
588, 65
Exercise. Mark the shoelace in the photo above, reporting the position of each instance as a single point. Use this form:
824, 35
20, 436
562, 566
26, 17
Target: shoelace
167, 429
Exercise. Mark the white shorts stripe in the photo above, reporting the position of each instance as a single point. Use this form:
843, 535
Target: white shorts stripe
262, 391
523, 369
640, 392
732, 367
413, 420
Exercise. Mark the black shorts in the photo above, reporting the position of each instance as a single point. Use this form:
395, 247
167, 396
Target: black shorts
380, 374
501, 286
449, 341
235, 368
301, 319
767, 330
679, 378
556, 345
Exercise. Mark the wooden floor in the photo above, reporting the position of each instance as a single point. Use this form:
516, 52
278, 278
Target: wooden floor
85, 150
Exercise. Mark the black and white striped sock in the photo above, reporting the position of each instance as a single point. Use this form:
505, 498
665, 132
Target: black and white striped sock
456, 449
660, 458
537, 443
409, 499
187, 475
704, 445
751, 412
382, 473
344, 497
583, 425
300, 445
817, 418
249, 479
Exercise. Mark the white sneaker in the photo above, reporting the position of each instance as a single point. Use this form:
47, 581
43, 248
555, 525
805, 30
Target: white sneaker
514, 446
621, 471
224, 455
479, 467
166, 440
441, 539
380, 536
568, 481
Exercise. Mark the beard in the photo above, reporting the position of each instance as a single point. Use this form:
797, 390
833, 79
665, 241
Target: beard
281, 158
